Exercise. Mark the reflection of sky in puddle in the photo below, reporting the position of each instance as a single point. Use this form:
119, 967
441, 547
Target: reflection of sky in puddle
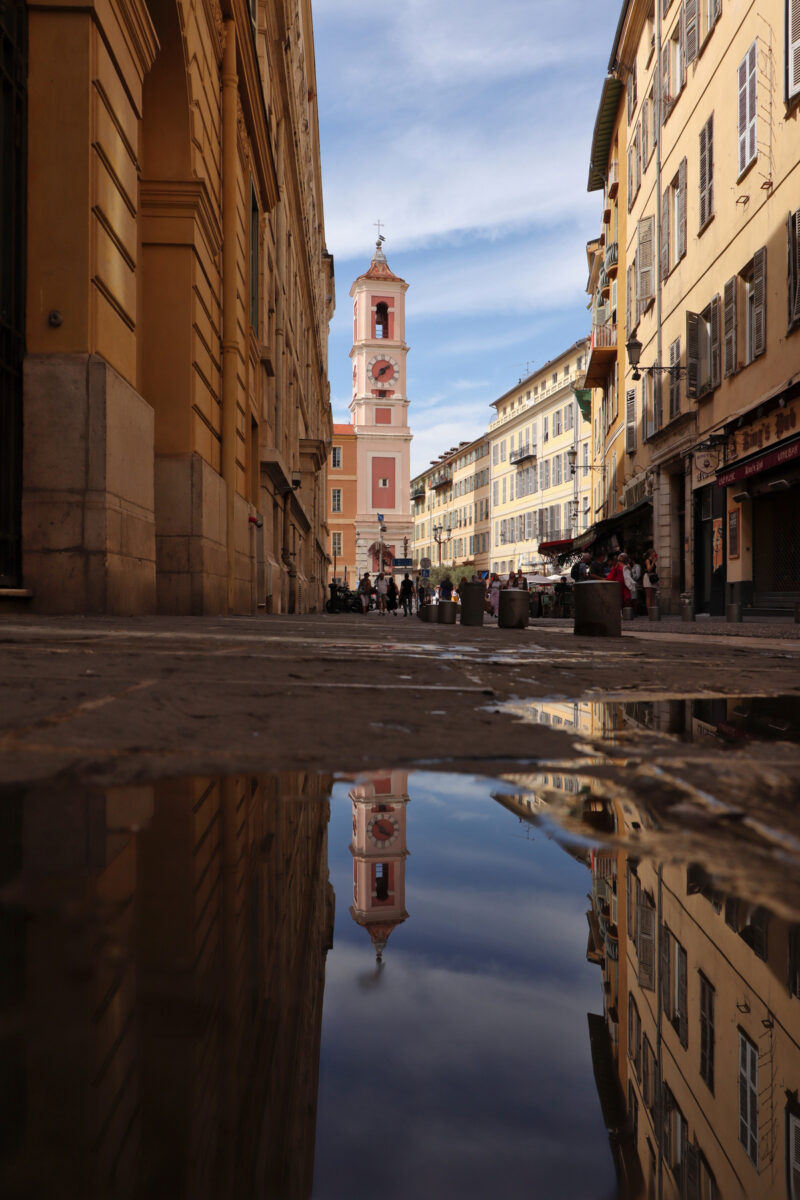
467, 1067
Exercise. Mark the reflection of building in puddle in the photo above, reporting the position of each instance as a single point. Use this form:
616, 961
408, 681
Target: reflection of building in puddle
725, 718
163, 955
697, 1053
379, 854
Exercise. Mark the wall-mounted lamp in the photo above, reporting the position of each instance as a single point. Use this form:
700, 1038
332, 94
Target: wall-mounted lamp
634, 348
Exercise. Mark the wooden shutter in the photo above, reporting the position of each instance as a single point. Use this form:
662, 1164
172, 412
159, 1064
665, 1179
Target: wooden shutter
680, 233
666, 99
664, 947
645, 122
759, 301
644, 259
674, 379
792, 48
707, 171
629, 310
690, 10
630, 421
730, 326
692, 355
637, 142
646, 944
794, 1155
793, 237
716, 10
682, 44
630, 177
747, 108
715, 347
658, 410
665, 234
683, 1023
665, 7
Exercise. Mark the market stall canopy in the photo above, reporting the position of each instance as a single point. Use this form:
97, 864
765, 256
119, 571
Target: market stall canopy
552, 548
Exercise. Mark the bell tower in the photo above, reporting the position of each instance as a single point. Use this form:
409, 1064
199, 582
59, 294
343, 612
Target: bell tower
379, 855
379, 411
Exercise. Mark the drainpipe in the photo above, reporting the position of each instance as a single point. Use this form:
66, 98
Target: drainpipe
230, 354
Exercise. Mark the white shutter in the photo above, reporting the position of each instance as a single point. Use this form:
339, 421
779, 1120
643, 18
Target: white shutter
630, 421
645, 946
792, 48
665, 233
729, 329
759, 301
680, 233
692, 355
747, 108
707, 171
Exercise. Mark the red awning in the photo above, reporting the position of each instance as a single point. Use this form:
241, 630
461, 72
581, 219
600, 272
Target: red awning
562, 547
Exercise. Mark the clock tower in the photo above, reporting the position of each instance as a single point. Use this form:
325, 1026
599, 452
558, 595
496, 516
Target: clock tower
379, 855
379, 411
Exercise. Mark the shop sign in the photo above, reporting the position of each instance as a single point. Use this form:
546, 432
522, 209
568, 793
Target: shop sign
759, 435
775, 458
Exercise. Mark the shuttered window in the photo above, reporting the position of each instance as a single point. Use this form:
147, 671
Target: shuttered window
674, 379
706, 171
759, 307
793, 1154
630, 297
681, 212
630, 421
730, 327
645, 265
631, 91
748, 1096
793, 247
665, 238
666, 96
646, 944
747, 108
703, 350
792, 48
692, 31
707, 1034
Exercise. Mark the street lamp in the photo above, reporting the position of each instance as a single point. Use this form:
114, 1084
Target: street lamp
634, 349
441, 534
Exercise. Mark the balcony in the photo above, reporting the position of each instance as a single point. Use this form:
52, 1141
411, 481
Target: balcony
523, 453
612, 180
418, 491
604, 284
602, 354
611, 260
441, 478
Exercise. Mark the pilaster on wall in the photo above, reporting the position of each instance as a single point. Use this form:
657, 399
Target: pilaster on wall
88, 490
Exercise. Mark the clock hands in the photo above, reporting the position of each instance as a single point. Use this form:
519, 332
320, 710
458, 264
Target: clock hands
383, 370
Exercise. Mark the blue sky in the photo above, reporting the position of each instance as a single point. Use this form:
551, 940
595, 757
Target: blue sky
472, 147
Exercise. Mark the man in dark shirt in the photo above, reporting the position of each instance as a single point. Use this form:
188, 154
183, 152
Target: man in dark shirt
597, 567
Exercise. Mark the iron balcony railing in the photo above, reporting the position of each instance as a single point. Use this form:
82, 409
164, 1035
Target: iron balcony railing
522, 453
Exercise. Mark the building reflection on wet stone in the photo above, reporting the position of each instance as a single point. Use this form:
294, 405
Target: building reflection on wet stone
697, 1052
164, 956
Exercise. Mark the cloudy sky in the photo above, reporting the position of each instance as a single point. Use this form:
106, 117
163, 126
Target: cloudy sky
465, 126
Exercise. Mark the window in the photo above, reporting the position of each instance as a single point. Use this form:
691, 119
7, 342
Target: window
673, 222
675, 379
546, 474
648, 1074
748, 149
555, 376
384, 483
336, 500
569, 417
557, 422
382, 320
495, 454
748, 1096
706, 1031
254, 239
645, 283
645, 940
703, 350
630, 421
503, 450
336, 458
336, 545
633, 1113
673, 984
504, 489
496, 492
545, 430
792, 49
706, 172
585, 459
630, 89
556, 470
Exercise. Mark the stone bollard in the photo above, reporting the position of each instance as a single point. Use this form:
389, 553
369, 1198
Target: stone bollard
428, 612
597, 611
447, 611
655, 613
687, 607
473, 599
733, 612
514, 609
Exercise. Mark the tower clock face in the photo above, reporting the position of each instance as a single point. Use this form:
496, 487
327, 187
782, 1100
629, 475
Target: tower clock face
383, 829
382, 371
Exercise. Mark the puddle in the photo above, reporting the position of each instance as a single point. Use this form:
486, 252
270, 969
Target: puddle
722, 719
428, 984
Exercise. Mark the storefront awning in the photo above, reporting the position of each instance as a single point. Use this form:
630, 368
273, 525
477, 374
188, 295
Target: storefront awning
584, 398
560, 547
610, 525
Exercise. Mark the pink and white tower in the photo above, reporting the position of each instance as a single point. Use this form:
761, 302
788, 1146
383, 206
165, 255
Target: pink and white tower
379, 411
379, 855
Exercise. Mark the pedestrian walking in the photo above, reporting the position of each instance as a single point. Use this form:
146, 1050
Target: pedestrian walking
407, 595
365, 591
381, 590
629, 582
494, 593
392, 596
616, 574
650, 578
446, 588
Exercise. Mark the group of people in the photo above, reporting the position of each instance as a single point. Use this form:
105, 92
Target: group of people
389, 598
637, 581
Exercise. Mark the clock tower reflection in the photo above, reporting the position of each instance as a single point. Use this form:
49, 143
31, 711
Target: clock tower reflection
379, 854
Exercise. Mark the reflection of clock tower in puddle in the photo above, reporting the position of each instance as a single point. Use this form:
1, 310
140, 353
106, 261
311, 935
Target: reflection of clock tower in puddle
379, 410
379, 854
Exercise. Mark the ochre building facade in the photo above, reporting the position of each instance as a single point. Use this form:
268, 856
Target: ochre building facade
167, 414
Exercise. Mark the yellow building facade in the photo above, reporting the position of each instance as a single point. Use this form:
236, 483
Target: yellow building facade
709, 161
169, 365
540, 465
450, 508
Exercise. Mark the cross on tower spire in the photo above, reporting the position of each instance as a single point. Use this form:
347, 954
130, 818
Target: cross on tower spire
378, 226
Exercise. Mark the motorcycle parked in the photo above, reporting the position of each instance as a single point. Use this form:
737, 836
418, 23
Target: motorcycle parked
341, 599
